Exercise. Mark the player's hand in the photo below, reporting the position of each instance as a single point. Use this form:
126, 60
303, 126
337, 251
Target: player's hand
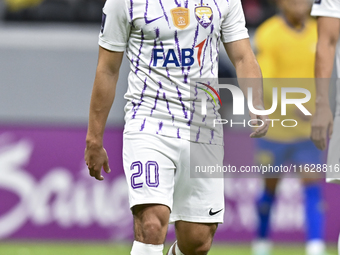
259, 120
263, 125
96, 158
322, 126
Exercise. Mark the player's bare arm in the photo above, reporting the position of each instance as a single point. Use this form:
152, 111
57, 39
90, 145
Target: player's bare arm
103, 94
322, 123
245, 63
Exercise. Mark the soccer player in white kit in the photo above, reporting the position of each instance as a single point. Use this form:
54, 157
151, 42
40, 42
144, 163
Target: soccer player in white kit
169, 43
328, 47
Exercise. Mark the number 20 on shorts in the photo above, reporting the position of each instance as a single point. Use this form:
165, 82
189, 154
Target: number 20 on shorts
151, 169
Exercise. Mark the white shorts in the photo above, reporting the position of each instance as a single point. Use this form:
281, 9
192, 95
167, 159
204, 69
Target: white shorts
333, 157
157, 169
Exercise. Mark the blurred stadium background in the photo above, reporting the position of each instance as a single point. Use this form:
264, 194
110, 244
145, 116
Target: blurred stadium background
48, 204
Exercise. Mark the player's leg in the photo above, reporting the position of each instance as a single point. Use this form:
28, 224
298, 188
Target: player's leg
262, 245
193, 238
150, 228
305, 153
269, 154
150, 176
198, 201
314, 217
150, 223
264, 206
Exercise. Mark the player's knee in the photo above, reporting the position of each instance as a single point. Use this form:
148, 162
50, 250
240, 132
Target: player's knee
150, 223
198, 243
152, 227
199, 247
150, 231
203, 249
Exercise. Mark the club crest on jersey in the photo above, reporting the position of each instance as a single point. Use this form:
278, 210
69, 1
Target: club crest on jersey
180, 17
204, 15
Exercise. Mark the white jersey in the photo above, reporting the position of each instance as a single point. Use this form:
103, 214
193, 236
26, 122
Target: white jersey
172, 44
331, 8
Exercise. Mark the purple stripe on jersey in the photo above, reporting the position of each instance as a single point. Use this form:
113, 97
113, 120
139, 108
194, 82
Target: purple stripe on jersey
186, 3
179, 51
218, 8
178, 136
211, 59
205, 48
134, 105
167, 103
193, 47
195, 37
166, 16
212, 29
140, 101
143, 125
140, 51
157, 32
214, 107
166, 68
198, 134
178, 48
131, 10
183, 106
217, 47
154, 47
177, 3
157, 96
212, 135
160, 125
212, 62
168, 107
186, 74
162, 46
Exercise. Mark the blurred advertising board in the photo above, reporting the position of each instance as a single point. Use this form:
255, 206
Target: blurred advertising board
47, 194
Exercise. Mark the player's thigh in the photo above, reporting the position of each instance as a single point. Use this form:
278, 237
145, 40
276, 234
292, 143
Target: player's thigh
198, 199
193, 237
269, 153
149, 169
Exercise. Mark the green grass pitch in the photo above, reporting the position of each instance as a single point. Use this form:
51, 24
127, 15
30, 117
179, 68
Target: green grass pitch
46, 248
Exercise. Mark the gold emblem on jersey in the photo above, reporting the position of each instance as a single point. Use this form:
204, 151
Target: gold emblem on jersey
204, 15
180, 17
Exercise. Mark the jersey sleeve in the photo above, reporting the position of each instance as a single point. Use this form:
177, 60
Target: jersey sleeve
115, 28
326, 8
234, 24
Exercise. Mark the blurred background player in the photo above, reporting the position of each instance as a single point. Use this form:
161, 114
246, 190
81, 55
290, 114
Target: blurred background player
286, 49
328, 22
